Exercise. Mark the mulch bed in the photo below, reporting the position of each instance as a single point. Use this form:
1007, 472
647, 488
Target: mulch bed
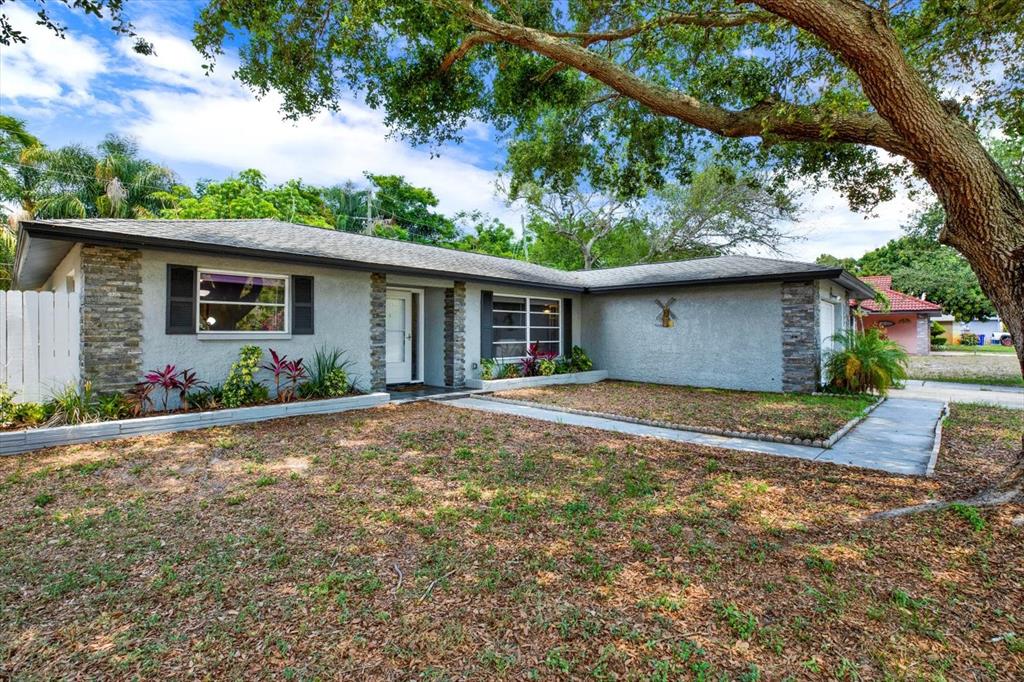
778, 414
425, 541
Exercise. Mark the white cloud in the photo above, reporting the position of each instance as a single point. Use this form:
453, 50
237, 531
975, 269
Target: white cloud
188, 117
829, 226
47, 68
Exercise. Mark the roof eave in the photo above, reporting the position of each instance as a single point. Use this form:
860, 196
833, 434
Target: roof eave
798, 275
858, 289
74, 234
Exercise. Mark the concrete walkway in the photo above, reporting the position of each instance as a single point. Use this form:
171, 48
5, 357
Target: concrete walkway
898, 436
891, 441
947, 391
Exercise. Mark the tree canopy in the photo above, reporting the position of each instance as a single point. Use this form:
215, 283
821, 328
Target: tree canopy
248, 196
920, 265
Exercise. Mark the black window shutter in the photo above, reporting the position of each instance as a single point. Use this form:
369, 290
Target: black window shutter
486, 325
566, 325
181, 299
302, 305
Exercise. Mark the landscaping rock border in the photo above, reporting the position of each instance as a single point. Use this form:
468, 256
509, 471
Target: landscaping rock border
937, 441
25, 440
767, 437
591, 377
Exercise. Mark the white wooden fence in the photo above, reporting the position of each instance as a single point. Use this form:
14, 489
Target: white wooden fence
39, 342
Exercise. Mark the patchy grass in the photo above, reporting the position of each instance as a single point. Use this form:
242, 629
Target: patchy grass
999, 369
450, 544
955, 348
780, 414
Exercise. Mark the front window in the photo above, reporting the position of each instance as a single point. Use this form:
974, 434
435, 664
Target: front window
520, 320
242, 302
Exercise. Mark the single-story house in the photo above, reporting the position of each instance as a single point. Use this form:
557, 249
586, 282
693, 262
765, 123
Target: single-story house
191, 292
907, 320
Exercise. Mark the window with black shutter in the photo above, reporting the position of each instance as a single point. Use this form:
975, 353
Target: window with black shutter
181, 299
302, 305
486, 325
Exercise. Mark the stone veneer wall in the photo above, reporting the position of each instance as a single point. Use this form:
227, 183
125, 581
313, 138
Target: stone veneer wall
111, 337
378, 330
455, 335
801, 345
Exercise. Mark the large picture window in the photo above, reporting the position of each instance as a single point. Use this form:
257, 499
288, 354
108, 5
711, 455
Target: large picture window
242, 302
518, 321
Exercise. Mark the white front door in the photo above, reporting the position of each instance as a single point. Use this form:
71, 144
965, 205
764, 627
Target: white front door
398, 331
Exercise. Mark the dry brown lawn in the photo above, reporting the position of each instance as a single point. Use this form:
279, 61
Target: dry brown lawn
779, 414
428, 542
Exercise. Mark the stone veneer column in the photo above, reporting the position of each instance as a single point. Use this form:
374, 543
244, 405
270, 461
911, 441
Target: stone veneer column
801, 345
455, 335
924, 335
111, 330
378, 330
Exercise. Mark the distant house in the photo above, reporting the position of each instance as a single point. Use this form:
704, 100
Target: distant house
908, 319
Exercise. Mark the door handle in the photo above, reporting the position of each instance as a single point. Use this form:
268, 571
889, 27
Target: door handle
408, 336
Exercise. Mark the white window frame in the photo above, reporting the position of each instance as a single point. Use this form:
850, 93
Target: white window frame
242, 334
528, 327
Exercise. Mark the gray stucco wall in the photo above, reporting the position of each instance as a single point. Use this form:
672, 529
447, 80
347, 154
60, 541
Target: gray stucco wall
473, 290
341, 309
725, 336
71, 265
433, 336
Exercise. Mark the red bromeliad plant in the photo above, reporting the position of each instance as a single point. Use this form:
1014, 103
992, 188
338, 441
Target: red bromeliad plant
291, 370
187, 381
139, 398
166, 378
294, 372
531, 363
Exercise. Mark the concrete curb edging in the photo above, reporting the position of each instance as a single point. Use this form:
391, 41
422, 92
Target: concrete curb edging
937, 443
15, 442
767, 437
591, 377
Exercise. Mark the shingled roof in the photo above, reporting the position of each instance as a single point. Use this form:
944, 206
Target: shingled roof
898, 301
290, 242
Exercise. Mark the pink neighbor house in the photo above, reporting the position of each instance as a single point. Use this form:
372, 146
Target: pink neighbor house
908, 320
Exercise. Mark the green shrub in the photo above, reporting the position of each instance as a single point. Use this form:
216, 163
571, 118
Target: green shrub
7, 406
206, 398
865, 361
328, 375
579, 361
73, 406
17, 415
487, 366
938, 334
241, 387
546, 367
968, 339
31, 414
509, 371
113, 406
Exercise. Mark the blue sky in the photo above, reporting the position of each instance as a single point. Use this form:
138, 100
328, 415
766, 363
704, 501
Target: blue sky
91, 83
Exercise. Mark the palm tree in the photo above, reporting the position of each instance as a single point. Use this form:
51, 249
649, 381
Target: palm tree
19, 170
115, 183
348, 204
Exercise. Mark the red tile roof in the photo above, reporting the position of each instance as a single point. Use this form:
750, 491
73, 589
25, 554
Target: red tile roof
898, 301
